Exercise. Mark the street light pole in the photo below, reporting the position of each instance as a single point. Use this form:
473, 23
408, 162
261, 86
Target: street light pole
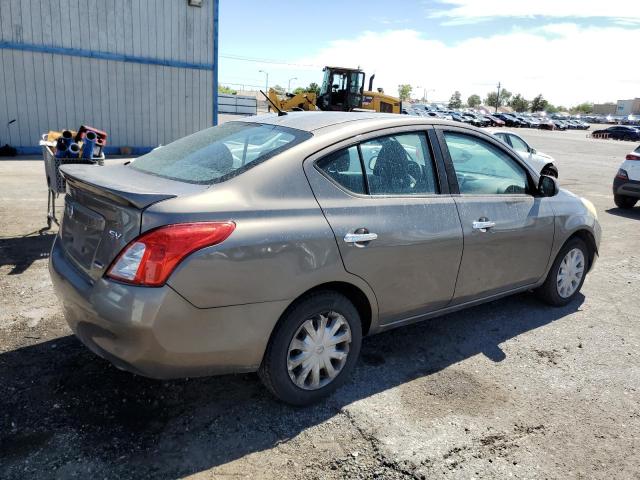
266, 87
498, 98
289, 86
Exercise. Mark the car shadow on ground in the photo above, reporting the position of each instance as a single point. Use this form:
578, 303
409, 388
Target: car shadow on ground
21, 252
626, 213
62, 408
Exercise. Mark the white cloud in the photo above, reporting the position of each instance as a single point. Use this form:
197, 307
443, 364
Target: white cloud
567, 63
458, 12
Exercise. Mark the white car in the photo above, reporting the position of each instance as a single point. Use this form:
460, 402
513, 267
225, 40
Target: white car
626, 184
539, 161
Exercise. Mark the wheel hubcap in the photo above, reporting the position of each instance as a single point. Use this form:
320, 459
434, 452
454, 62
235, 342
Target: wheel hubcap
318, 351
570, 273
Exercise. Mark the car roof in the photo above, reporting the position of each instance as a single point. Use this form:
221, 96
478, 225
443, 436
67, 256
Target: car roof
316, 121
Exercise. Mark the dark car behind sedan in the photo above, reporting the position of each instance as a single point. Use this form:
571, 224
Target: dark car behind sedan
618, 132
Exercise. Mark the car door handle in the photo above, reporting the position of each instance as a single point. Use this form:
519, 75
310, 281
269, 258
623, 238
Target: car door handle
483, 225
359, 237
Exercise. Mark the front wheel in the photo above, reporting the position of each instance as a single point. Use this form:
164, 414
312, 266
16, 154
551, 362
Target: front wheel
567, 274
622, 201
313, 349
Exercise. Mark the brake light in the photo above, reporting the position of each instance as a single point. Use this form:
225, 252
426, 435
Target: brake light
149, 259
632, 156
622, 174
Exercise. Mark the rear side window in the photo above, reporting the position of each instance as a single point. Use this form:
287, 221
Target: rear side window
399, 165
219, 153
344, 168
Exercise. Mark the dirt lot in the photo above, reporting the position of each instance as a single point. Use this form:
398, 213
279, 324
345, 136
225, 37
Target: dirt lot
511, 388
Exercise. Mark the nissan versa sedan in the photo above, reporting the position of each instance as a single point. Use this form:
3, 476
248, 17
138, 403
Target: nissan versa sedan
275, 243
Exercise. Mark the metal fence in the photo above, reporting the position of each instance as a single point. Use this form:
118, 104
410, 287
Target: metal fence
237, 104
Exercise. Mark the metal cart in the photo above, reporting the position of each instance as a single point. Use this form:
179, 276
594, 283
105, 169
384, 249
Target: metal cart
55, 182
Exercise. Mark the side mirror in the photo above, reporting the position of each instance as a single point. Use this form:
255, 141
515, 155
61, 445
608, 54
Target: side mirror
532, 151
548, 186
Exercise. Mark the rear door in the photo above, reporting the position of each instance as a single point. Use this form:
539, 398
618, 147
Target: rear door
395, 226
508, 232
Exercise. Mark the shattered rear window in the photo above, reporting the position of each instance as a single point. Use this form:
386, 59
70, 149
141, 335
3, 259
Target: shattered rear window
219, 153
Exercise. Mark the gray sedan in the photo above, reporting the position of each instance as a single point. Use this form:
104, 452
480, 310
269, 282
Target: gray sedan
274, 244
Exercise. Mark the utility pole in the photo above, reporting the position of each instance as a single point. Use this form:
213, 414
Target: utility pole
498, 98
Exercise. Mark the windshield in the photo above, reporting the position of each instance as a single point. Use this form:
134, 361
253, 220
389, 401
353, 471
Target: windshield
219, 153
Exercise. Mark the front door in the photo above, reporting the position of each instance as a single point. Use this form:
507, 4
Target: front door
508, 232
393, 227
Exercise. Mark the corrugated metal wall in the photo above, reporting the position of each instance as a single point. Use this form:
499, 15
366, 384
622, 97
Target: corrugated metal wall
48, 81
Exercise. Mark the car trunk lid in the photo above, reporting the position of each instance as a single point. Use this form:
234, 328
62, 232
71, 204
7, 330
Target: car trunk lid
103, 211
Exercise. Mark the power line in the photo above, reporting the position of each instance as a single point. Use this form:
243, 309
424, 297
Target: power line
266, 60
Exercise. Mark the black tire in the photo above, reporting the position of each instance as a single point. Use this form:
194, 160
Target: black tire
273, 370
624, 202
550, 171
548, 291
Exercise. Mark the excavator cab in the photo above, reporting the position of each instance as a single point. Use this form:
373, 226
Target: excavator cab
341, 90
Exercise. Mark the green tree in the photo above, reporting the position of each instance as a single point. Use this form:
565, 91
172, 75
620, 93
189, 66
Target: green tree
404, 91
473, 101
585, 107
505, 95
538, 103
491, 99
552, 108
456, 100
519, 103
227, 90
313, 88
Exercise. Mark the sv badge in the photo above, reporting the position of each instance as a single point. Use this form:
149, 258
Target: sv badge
115, 235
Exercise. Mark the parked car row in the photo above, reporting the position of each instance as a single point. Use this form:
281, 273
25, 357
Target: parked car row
481, 119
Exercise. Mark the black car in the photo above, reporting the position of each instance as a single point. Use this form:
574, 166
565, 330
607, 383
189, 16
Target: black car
475, 120
510, 120
619, 132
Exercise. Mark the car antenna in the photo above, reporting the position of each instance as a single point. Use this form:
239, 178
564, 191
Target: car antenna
280, 112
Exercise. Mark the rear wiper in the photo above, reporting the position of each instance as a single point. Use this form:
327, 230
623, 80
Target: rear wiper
280, 112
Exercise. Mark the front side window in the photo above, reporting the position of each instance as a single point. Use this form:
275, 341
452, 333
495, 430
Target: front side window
218, 153
482, 168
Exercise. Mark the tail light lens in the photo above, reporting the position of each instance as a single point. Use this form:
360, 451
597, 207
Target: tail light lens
632, 156
149, 259
622, 174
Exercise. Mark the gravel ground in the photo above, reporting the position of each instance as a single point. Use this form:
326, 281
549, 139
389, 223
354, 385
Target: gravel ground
512, 388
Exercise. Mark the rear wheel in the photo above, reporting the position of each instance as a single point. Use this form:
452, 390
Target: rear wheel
622, 201
567, 274
313, 350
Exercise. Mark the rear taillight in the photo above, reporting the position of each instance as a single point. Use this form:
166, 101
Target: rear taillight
149, 259
622, 174
632, 156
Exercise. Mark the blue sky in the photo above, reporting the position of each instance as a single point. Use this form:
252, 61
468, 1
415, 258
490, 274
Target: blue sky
555, 47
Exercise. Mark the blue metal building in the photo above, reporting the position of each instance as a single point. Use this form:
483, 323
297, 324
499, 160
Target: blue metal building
145, 71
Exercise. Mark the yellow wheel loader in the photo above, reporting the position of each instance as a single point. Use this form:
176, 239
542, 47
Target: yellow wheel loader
342, 90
